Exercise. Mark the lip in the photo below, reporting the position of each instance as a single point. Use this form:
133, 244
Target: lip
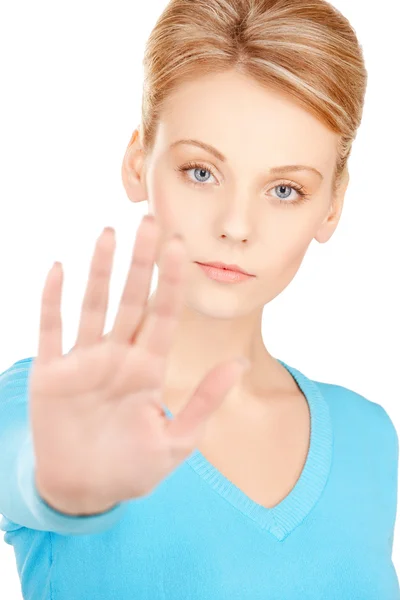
225, 267
225, 276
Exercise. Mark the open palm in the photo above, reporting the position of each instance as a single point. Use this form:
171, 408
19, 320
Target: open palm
99, 430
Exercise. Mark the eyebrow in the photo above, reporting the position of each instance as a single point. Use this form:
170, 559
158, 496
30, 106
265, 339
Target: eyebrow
222, 158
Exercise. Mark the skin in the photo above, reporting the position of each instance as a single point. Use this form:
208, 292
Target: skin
233, 215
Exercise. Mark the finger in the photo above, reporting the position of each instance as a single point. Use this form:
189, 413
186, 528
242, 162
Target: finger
186, 428
136, 290
95, 301
50, 329
156, 333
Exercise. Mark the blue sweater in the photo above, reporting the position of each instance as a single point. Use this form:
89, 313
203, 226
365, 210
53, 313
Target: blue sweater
197, 536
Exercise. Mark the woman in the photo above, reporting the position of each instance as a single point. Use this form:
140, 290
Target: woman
270, 484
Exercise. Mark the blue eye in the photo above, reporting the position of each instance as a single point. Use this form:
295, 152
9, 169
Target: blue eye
283, 200
288, 188
201, 172
280, 187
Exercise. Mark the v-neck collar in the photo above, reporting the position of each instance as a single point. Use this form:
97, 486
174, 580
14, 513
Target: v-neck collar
283, 518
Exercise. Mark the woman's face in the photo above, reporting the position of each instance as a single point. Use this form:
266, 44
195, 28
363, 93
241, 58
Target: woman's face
237, 204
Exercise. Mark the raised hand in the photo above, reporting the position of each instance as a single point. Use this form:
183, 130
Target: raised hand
99, 430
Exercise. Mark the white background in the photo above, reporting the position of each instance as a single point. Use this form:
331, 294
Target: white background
71, 81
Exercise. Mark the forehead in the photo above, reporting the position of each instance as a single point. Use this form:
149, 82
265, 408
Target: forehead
232, 111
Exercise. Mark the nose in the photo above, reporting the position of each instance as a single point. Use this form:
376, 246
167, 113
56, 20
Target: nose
224, 236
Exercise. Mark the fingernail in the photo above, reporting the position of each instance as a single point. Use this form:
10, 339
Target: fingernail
134, 136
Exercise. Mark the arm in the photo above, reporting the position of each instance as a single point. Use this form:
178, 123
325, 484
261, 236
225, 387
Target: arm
390, 447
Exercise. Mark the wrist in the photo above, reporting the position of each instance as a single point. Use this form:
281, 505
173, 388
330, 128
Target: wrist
76, 505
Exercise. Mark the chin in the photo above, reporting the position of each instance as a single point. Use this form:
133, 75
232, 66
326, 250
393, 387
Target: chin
218, 304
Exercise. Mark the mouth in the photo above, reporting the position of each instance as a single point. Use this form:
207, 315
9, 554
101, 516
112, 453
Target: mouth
225, 267
224, 274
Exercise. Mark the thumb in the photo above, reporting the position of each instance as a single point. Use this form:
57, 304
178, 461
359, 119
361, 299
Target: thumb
186, 426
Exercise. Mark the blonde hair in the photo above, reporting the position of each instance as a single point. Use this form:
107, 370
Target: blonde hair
305, 48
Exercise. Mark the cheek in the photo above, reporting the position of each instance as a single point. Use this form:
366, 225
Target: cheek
173, 211
284, 250
284, 254
289, 240
164, 207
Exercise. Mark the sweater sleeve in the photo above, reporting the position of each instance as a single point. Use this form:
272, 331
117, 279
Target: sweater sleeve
20, 503
390, 446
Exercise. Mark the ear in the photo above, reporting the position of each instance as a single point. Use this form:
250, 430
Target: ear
331, 221
133, 170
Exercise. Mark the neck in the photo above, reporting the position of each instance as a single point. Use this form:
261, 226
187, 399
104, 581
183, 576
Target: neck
201, 342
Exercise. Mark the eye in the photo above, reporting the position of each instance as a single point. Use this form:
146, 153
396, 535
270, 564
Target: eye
284, 197
200, 173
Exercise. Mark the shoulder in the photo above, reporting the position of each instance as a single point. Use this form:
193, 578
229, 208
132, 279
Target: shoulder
361, 415
15, 378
